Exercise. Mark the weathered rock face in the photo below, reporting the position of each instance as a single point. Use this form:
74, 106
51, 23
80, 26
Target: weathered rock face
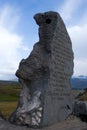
70, 124
80, 108
45, 97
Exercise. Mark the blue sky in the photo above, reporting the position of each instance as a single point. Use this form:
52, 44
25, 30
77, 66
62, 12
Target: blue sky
19, 32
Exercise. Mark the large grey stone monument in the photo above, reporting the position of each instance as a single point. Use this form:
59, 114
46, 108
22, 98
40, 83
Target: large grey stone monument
46, 97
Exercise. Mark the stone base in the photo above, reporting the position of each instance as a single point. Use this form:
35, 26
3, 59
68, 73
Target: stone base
69, 124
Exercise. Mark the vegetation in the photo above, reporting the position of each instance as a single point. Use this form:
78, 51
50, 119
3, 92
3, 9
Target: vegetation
6, 108
8, 98
9, 92
82, 96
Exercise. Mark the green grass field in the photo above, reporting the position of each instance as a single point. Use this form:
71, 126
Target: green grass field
8, 98
9, 93
6, 108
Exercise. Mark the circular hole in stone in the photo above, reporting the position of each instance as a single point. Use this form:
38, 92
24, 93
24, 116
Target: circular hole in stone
48, 21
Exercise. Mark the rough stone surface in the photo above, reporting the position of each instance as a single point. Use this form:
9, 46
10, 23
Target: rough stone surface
45, 97
80, 108
69, 124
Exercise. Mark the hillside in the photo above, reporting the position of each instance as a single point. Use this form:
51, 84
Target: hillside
9, 92
79, 82
5, 83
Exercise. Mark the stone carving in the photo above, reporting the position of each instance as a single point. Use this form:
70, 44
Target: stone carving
45, 97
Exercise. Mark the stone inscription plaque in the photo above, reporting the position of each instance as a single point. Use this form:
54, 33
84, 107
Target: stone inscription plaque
45, 75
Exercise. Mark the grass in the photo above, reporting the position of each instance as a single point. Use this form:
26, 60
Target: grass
76, 92
9, 93
6, 108
8, 98
83, 96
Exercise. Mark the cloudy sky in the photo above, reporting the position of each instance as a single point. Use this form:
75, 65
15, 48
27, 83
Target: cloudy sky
19, 32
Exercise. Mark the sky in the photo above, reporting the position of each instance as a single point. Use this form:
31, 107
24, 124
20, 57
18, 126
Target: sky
19, 32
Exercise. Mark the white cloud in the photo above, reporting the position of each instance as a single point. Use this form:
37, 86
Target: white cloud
9, 17
68, 8
79, 42
10, 42
79, 39
77, 28
80, 67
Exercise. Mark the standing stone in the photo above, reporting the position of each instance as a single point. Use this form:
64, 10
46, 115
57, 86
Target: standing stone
45, 97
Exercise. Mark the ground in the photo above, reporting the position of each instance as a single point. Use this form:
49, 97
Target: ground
8, 103
72, 123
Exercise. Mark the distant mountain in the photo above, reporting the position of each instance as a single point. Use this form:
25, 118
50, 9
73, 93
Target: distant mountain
79, 82
3, 82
